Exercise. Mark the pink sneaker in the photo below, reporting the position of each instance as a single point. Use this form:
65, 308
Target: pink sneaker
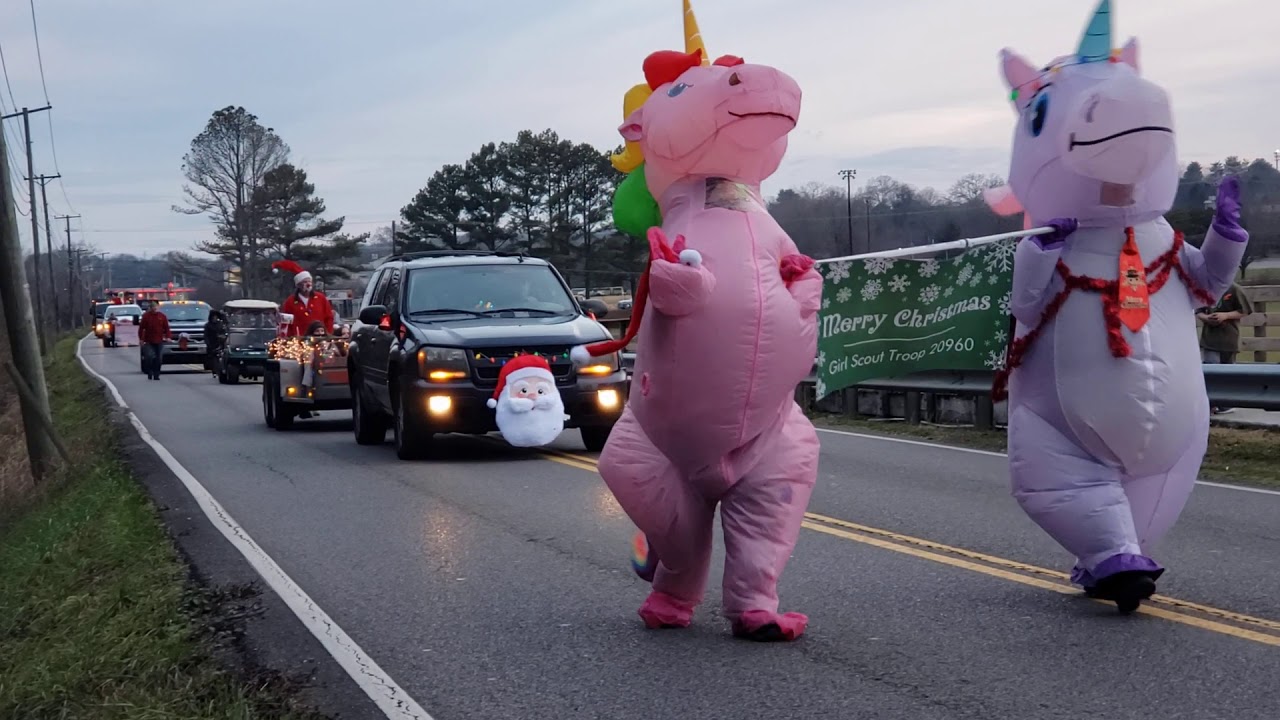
764, 626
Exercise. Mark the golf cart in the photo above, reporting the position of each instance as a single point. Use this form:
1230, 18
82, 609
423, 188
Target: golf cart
304, 375
251, 326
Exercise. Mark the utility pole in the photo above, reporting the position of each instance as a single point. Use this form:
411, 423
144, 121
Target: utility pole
20, 321
70, 276
35, 219
48, 246
867, 200
393, 238
848, 176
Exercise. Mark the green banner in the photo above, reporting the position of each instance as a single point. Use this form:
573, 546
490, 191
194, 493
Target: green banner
884, 317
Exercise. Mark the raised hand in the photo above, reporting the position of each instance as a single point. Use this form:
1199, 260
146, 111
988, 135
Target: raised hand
1227, 207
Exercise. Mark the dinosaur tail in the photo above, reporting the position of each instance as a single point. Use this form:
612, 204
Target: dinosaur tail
582, 354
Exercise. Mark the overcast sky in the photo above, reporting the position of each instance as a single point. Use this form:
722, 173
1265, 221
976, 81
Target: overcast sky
374, 96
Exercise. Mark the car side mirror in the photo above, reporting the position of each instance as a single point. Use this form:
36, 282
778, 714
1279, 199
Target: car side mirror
373, 314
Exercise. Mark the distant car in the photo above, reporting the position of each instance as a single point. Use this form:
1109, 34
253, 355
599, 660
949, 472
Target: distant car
436, 327
186, 324
110, 319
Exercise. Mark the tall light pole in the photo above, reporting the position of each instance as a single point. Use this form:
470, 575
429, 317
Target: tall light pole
848, 176
1277, 156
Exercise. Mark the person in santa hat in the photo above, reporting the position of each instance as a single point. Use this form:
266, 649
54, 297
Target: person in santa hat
306, 304
530, 412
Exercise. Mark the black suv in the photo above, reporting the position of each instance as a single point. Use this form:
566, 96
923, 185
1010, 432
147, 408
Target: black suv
435, 328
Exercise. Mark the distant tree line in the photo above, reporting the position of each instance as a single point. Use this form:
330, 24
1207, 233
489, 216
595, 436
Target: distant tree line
550, 197
547, 196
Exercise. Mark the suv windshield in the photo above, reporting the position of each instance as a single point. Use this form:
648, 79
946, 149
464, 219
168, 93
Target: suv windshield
185, 313
526, 288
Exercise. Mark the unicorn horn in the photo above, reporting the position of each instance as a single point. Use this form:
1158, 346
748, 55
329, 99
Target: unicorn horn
1095, 46
693, 37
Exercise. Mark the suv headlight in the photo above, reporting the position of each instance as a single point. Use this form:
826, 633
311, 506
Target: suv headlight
602, 366
443, 364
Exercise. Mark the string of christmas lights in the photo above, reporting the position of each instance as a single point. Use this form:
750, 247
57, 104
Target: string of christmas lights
503, 361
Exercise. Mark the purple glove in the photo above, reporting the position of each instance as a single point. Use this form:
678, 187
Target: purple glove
1226, 215
1062, 229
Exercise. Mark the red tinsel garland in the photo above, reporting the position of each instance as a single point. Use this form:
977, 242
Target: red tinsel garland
1164, 266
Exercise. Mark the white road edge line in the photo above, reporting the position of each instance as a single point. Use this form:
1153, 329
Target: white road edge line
373, 680
990, 453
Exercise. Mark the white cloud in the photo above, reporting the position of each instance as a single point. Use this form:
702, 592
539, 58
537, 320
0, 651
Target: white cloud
374, 100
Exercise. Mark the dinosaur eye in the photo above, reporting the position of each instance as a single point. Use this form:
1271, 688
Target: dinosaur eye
1039, 112
677, 89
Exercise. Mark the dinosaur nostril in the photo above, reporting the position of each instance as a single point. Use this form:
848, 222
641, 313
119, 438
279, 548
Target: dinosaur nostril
734, 79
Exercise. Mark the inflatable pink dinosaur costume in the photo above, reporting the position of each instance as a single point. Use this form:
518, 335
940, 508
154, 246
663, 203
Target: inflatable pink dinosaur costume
730, 333
1108, 416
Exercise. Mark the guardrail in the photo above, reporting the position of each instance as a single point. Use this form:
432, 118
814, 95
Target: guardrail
1252, 385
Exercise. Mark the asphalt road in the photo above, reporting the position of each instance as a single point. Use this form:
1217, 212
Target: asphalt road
494, 582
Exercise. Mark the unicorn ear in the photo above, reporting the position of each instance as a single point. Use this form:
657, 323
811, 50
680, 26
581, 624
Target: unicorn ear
1129, 54
1018, 73
633, 129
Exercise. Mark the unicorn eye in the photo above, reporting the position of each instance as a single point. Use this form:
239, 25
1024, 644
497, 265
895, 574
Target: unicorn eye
677, 89
1039, 112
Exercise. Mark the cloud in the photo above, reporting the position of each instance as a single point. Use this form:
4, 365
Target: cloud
372, 101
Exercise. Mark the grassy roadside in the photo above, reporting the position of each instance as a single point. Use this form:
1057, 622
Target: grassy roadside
97, 615
1242, 457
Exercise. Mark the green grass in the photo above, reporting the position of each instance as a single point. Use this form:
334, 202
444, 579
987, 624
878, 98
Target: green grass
97, 617
1242, 457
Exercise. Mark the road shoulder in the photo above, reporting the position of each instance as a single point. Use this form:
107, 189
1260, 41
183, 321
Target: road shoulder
265, 638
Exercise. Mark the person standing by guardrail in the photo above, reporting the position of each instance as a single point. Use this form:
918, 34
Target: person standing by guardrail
153, 330
1220, 332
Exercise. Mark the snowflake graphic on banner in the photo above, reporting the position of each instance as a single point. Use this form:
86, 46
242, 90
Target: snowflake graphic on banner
998, 256
826, 303
872, 290
929, 268
899, 283
929, 294
1006, 302
878, 266
844, 295
838, 272
995, 359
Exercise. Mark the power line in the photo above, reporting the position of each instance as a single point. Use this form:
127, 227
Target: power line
5, 67
39, 59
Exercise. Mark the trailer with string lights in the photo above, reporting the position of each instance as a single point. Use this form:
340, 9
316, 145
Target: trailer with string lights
304, 375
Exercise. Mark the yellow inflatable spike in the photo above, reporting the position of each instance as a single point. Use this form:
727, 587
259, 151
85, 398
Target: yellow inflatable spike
692, 36
631, 156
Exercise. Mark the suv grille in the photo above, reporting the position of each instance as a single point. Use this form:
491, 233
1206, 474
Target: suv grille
486, 363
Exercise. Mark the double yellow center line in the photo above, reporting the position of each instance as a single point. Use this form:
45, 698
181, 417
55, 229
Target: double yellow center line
1205, 617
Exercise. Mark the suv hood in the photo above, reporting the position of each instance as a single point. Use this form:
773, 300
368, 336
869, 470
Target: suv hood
477, 332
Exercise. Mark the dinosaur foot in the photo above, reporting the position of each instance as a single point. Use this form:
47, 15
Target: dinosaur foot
661, 611
764, 626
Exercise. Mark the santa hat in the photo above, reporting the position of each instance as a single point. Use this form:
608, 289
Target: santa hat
299, 275
521, 366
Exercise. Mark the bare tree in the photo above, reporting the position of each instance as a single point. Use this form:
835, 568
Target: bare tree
227, 163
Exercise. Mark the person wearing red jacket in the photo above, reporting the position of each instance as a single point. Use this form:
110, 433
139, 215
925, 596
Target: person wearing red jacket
306, 305
153, 330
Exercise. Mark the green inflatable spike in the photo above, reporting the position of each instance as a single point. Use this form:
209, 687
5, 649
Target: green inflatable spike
634, 209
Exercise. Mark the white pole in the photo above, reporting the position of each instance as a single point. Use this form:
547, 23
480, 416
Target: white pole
942, 247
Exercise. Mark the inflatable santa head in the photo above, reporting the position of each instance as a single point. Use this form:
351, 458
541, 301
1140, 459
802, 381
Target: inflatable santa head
530, 412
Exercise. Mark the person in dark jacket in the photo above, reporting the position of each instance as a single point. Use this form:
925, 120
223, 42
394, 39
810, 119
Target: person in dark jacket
215, 337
